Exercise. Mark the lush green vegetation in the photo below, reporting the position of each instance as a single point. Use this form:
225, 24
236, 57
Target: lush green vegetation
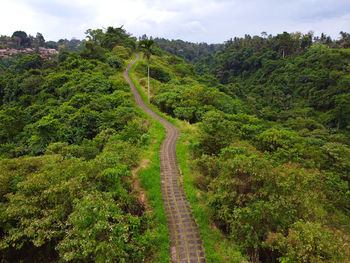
190, 52
265, 149
69, 137
271, 151
218, 248
148, 175
284, 77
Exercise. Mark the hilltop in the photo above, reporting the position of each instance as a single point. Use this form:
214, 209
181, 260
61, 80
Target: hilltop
264, 152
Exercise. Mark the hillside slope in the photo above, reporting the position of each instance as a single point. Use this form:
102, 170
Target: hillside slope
268, 182
284, 77
70, 135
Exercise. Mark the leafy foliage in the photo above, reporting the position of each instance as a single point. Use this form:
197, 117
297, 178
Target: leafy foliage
270, 152
272, 145
69, 136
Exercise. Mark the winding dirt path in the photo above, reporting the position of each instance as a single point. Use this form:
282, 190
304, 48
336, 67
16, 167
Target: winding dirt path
185, 240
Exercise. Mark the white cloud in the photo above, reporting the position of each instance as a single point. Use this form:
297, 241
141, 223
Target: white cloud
193, 20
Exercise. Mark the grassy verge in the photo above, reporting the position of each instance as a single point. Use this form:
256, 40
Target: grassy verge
144, 96
217, 247
151, 182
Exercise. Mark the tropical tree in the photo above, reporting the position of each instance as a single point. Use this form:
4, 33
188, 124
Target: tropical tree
21, 38
39, 40
146, 47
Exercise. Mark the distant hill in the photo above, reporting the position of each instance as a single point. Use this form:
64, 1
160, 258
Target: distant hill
286, 73
20, 40
190, 52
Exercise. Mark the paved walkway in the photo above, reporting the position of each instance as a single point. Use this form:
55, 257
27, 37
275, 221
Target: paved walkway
185, 240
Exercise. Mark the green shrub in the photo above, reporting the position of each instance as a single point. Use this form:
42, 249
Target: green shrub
122, 52
159, 73
115, 62
309, 242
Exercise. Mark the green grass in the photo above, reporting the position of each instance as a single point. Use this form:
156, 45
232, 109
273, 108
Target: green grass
217, 247
151, 182
135, 80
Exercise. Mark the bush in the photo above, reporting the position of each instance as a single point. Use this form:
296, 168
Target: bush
250, 199
115, 62
159, 74
216, 133
310, 242
99, 231
122, 52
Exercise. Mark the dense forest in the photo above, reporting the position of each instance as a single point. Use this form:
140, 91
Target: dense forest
272, 141
286, 73
69, 137
269, 147
190, 52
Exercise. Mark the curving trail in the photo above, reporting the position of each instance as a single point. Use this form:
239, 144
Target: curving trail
185, 240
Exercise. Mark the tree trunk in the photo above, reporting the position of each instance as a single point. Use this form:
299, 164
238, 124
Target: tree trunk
340, 115
148, 84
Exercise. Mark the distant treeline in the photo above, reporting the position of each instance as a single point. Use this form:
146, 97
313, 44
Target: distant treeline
21, 39
190, 52
285, 42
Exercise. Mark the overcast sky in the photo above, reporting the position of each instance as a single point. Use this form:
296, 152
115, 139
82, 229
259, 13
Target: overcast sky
212, 21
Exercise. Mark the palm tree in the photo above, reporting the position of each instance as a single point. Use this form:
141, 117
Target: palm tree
146, 47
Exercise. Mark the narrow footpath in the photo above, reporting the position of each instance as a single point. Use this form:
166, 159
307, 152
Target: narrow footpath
185, 240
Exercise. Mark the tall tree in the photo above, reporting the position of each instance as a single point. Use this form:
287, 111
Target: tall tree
39, 39
146, 47
286, 43
95, 35
22, 38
